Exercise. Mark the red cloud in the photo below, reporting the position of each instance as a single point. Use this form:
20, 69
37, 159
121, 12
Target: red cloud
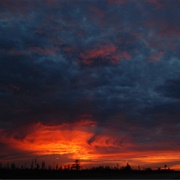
50, 51
156, 56
99, 52
109, 52
126, 55
102, 52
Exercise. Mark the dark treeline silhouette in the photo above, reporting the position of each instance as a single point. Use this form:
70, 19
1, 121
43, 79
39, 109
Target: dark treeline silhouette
75, 170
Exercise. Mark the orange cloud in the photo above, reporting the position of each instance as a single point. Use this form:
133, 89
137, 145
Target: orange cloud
82, 140
61, 139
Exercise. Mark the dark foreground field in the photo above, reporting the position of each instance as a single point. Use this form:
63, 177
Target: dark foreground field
87, 174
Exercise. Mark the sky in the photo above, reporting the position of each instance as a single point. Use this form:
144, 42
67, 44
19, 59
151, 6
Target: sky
97, 80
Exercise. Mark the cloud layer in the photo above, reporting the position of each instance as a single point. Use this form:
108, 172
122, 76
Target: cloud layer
111, 63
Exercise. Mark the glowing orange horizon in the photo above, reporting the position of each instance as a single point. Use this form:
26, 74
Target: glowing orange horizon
80, 140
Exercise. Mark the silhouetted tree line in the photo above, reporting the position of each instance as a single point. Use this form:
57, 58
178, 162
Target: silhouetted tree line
75, 170
35, 165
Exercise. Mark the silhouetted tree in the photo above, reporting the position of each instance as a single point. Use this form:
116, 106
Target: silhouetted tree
1, 165
127, 167
56, 166
13, 166
25, 165
60, 168
37, 166
35, 160
43, 165
32, 164
165, 166
148, 169
49, 167
117, 165
76, 165
7, 165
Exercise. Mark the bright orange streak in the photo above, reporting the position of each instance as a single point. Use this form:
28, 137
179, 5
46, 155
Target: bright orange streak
61, 139
80, 140
176, 167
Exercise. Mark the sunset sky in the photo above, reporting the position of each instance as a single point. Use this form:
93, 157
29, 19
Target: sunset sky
97, 80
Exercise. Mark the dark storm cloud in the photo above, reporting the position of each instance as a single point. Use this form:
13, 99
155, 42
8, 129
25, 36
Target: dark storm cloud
63, 59
171, 88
